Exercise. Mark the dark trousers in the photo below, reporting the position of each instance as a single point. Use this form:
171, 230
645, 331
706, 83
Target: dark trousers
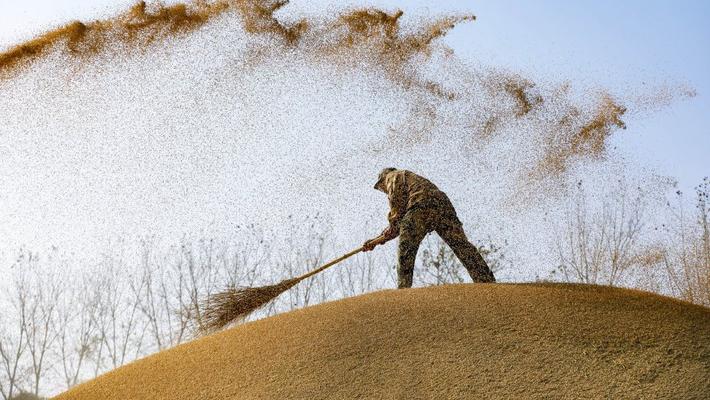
417, 223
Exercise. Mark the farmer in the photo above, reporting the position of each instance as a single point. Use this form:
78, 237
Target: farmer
418, 207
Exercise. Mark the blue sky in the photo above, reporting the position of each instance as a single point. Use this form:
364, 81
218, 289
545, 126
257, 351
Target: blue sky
613, 44
610, 44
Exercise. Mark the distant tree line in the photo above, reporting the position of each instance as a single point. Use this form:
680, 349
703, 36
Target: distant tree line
624, 242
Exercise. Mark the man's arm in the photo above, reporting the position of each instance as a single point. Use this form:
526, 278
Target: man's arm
388, 234
396, 189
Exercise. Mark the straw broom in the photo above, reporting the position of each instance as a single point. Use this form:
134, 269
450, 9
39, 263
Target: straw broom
234, 303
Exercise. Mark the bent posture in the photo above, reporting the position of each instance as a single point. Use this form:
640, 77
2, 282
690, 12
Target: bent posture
418, 207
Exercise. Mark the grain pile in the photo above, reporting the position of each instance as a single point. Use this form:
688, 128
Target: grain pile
460, 341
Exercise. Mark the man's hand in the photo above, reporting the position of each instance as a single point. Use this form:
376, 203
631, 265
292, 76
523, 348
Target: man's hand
370, 244
390, 233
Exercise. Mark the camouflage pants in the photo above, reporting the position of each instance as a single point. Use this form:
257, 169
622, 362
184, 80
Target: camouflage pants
417, 223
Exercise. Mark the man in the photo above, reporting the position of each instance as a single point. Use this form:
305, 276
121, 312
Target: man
418, 207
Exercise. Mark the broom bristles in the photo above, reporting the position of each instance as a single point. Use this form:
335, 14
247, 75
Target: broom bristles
222, 308
234, 303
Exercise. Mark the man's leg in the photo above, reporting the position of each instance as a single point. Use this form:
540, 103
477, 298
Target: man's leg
411, 233
454, 236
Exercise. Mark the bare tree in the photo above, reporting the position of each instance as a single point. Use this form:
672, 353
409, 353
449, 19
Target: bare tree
13, 344
686, 255
359, 276
121, 331
77, 334
201, 277
39, 322
248, 257
155, 295
599, 246
169, 287
26, 350
303, 251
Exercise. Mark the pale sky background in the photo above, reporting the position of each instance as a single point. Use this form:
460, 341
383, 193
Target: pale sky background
600, 43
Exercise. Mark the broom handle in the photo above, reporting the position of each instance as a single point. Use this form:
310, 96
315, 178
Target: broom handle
331, 263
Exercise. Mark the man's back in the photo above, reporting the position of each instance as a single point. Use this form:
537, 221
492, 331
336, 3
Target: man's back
406, 190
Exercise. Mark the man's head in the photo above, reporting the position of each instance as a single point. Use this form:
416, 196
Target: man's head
381, 178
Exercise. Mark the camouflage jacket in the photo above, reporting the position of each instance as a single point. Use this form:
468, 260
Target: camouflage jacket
406, 190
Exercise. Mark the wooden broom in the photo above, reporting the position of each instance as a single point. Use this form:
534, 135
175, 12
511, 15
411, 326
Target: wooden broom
233, 303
